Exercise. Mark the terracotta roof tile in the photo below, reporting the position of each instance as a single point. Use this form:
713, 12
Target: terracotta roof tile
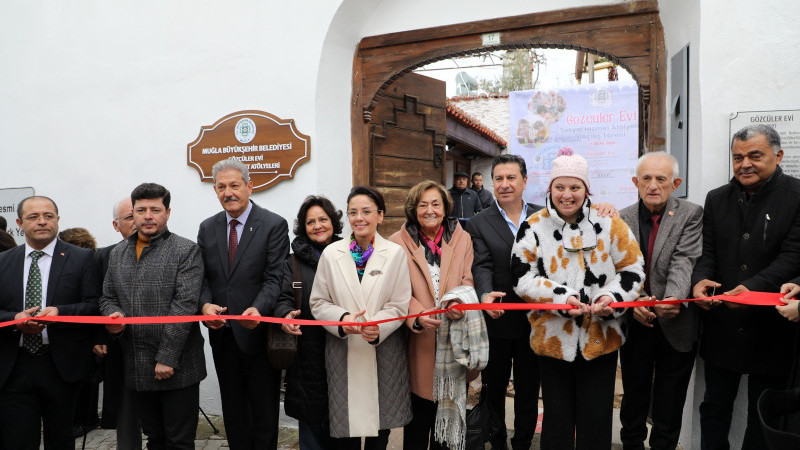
468, 121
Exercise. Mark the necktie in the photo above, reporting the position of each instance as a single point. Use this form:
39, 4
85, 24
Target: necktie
233, 243
33, 297
650, 243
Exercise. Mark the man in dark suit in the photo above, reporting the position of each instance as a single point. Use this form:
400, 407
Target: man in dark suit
751, 242
244, 248
493, 231
41, 365
659, 353
119, 409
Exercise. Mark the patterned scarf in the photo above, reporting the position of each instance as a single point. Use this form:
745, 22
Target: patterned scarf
360, 256
460, 345
433, 248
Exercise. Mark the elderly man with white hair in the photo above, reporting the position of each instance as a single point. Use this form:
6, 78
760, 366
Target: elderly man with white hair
662, 341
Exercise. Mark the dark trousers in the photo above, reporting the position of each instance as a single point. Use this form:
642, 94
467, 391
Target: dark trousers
86, 408
119, 405
495, 377
578, 399
716, 411
34, 394
418, 434
250, 393
379, 442
169, 418
314, 436
651, 366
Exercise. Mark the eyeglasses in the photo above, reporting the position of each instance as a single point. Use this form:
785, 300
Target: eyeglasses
365, 213
127, 218
575, 250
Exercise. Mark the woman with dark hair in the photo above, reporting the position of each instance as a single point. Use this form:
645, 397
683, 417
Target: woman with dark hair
6, 241
439, 254
318, 224
364, 278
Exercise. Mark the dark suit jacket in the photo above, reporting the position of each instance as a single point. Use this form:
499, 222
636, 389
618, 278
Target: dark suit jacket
679, 242
491, 271
257, 272
72, 287
755, 243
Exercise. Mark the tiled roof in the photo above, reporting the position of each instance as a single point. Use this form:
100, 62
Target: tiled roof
458, 98
468, 121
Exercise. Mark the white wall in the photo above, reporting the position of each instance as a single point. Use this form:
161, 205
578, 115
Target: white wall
738, 62
96, 97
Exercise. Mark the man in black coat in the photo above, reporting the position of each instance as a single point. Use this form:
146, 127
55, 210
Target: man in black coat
751, 242
244, 249
493, 232
484, 195
465, 201
119, 409
41, 365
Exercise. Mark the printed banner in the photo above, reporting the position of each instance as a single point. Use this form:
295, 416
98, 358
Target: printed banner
597, 121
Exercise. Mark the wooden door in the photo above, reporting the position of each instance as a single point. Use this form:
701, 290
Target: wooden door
407, 141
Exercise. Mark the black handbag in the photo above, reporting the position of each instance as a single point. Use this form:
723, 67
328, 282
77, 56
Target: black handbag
481, 423
282, 346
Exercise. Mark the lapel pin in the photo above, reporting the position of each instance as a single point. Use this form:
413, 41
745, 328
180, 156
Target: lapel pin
375, 272
62, 253
671, 213
251, 228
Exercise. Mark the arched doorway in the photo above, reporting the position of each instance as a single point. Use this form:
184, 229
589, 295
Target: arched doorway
629, 34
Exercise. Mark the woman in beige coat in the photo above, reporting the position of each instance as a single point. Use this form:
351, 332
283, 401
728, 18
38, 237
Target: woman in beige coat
364, 278
439, 259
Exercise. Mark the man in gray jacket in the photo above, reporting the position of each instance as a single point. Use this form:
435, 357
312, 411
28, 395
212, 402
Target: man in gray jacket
659, 354
157, 273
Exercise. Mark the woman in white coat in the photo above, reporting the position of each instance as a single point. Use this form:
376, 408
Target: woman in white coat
364, 278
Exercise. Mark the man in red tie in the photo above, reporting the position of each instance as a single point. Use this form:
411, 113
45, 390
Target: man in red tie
244, 248
662, 341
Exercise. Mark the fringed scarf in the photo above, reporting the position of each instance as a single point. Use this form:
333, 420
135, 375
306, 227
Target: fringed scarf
460, 345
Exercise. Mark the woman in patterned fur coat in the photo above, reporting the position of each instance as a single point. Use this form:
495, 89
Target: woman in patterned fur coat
567, 254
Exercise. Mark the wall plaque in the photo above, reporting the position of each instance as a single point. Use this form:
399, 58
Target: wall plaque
9, 199
271, 147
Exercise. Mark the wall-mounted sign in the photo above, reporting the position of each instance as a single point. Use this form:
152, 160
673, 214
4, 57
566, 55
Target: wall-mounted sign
271, 147
785, 122
9, 200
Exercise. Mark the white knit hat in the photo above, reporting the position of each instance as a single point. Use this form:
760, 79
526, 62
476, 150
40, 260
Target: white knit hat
567, 164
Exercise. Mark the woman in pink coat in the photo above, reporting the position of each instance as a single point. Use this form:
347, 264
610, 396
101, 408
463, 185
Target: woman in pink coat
439, 259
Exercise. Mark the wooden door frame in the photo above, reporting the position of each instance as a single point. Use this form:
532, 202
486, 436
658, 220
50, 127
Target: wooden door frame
629, 34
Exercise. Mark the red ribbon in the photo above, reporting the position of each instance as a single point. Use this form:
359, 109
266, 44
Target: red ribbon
745, 298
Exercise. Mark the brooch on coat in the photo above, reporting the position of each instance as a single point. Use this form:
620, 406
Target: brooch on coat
375, 272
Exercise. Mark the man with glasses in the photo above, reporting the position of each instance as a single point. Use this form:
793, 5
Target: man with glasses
751, 242
119, 410
41, 365
658, 355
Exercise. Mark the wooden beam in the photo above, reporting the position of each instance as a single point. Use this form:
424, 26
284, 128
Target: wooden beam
510, 23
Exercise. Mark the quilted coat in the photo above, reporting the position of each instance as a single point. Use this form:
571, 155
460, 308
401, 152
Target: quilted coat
368, 386
544, 272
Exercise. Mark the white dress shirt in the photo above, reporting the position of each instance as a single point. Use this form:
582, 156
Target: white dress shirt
44, 268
